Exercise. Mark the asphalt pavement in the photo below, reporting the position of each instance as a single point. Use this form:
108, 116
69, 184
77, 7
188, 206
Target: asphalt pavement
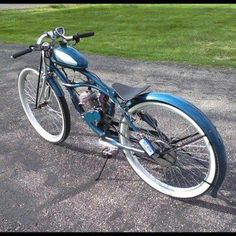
45, 187
21, 6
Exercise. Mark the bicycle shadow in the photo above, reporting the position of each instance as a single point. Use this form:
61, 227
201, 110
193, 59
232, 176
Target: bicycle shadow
119, 162
226, 195
78, 149
225, 201
93, 150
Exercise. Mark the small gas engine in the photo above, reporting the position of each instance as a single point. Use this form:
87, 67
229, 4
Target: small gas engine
96, 106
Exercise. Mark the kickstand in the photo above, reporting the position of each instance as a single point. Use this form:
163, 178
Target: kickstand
107, 157
108, 153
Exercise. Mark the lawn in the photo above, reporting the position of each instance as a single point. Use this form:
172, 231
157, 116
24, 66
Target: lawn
199, 34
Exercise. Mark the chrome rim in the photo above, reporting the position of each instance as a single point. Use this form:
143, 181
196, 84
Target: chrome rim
48, 120
194, 165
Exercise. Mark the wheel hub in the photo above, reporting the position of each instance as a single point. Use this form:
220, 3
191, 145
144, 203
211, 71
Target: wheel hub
166, 160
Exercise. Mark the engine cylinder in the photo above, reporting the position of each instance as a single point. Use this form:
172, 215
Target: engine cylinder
89, 99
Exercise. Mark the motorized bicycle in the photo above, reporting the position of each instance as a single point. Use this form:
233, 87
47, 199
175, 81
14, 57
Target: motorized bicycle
168, 141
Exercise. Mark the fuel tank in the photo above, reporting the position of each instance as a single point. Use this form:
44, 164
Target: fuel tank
67, 56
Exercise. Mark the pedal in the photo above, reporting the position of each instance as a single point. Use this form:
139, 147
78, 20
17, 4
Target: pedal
109, 150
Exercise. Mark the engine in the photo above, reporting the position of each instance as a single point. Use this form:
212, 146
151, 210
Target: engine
89, 100
96, 106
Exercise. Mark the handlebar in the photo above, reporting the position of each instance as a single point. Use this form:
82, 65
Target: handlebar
53, 35
21, 53
78, 36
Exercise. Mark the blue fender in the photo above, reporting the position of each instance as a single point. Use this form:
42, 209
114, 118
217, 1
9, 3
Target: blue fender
201, 119
55, 86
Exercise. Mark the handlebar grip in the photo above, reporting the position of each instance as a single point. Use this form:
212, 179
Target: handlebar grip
87, 34
78, 36
21, 53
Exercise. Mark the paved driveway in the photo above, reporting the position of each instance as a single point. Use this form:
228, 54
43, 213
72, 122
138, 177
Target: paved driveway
21, 6
44, 187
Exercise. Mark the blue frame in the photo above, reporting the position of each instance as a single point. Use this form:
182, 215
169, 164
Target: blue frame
96, 83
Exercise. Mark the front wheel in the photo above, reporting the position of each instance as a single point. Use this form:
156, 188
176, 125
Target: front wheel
187, 166
51, 117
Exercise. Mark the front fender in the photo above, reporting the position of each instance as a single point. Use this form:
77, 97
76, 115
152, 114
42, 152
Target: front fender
201, 119
55, 86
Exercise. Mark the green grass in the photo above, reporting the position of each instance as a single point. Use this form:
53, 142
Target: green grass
199, 34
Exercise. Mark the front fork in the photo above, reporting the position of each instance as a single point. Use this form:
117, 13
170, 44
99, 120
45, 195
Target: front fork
43, 94
43, 91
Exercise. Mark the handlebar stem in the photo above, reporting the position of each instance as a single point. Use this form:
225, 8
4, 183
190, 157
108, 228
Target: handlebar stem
51, 34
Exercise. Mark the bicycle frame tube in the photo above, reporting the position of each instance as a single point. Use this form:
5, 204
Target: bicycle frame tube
94, 82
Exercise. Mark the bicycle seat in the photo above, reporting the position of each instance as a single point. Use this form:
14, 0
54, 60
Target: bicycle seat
126, 92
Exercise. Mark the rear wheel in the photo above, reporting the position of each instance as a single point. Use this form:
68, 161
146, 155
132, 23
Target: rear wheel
187, 165
51, 118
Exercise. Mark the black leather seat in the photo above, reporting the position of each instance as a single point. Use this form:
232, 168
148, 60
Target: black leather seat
126, 92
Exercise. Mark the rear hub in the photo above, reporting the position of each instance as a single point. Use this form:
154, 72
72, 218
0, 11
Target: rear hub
166, 160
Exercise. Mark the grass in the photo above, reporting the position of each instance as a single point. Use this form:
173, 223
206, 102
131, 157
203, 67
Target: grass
198, 34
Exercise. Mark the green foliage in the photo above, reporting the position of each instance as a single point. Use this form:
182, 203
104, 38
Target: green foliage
188, 33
